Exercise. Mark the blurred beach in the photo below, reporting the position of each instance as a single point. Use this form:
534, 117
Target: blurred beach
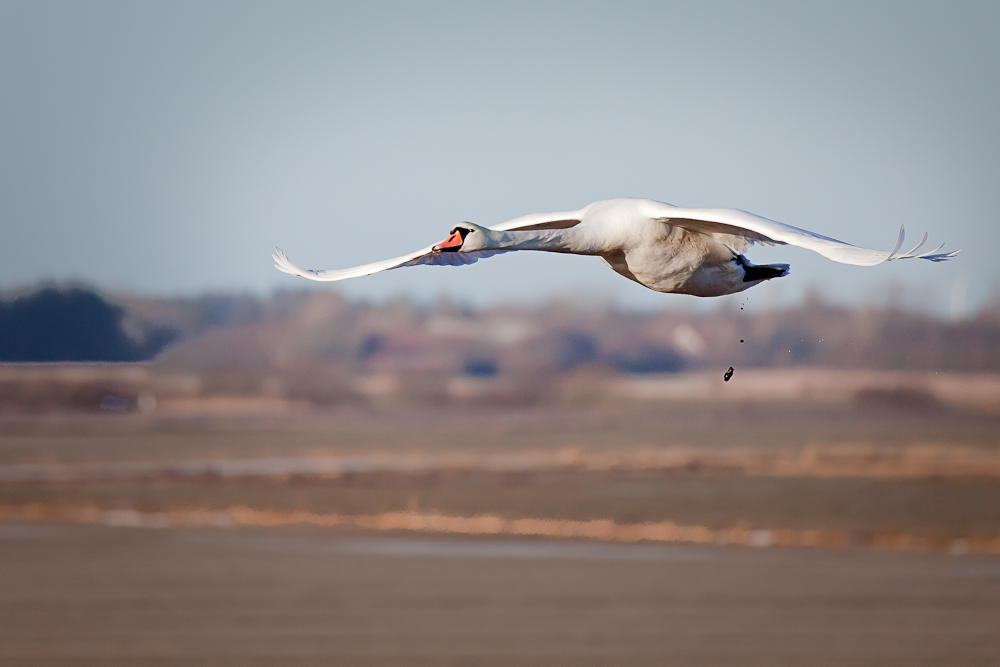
301, 480
92, 595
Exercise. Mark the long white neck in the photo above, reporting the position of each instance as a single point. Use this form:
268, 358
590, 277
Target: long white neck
573, 240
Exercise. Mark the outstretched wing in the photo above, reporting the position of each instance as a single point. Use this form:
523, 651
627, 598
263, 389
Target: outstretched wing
425, 256
561, 220
722, 222
428, 256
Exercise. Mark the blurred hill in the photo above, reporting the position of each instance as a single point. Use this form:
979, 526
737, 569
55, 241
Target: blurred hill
287, 328
320, 349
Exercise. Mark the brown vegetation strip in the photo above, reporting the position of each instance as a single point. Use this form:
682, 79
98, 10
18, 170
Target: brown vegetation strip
916, 461
494, 526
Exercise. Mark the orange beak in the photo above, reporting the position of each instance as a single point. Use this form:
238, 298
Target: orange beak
453, 242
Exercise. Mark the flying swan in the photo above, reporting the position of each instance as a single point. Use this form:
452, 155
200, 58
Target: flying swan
665, 248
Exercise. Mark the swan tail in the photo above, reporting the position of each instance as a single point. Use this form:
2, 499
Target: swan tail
754, 272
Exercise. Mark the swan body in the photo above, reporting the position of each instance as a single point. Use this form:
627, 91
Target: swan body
663, 247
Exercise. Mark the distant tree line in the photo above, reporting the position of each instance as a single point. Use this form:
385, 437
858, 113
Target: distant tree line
313, 328
72, 324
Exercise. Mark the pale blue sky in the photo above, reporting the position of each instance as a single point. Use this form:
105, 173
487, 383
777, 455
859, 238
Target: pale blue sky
164, 148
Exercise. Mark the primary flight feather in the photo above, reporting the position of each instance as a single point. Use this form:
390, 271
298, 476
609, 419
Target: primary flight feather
666, 248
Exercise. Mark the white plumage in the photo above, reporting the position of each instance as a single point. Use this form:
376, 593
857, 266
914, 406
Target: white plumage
665, 248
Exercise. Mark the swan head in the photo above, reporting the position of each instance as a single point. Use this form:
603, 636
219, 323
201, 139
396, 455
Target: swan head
465, 237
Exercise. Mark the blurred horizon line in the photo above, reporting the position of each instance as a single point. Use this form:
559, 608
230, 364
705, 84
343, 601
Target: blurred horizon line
895, 296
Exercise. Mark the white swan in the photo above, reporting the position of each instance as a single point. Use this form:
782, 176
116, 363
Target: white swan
665, 248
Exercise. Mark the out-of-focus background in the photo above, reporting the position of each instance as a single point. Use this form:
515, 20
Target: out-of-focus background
529, 460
